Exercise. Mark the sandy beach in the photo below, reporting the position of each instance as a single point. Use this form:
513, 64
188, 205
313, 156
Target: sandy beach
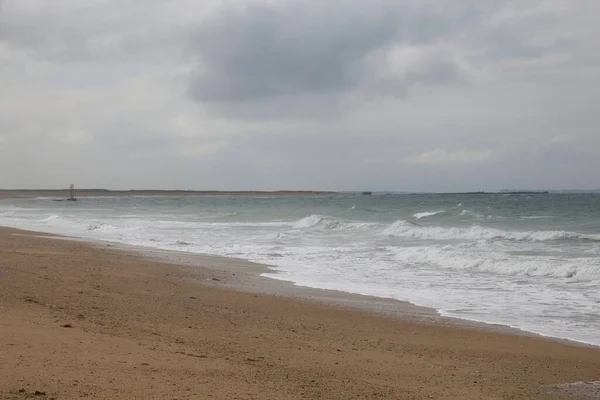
79, 320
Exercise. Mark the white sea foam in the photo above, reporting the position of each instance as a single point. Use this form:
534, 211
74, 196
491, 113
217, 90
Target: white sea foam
330, 223
477, 232
471, 214
426, 214
100, 227
310, 221
449, 257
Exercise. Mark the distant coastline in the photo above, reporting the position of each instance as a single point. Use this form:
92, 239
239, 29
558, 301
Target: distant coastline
60, 193
64, 193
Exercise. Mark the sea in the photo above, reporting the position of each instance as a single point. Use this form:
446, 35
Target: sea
524, 260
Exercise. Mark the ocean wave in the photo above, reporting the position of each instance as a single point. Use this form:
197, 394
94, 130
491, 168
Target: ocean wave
324, 222
471, 214
276, 236
100, 227
428, 214
309, 222
10, 210
50, 218
537, 217
583, 269
372, 210
225, 215
52, 223
274, 255
406, 229
226, 225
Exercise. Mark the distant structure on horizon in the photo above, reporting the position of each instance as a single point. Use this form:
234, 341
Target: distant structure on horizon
72, 193
512, 191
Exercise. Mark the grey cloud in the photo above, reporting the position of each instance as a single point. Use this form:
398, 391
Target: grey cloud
431, 70
268, 52
94, 31
299, 48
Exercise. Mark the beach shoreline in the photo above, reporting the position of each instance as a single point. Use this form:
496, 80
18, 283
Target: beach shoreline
93, 320
247, 276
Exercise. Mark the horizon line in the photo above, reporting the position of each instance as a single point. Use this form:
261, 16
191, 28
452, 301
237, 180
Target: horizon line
225, 191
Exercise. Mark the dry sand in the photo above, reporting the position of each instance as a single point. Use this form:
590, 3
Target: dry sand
79, 321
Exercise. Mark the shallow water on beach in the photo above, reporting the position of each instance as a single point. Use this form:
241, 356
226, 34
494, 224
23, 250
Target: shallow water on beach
530, 261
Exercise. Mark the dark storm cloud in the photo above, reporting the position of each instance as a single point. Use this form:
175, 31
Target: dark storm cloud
265, 50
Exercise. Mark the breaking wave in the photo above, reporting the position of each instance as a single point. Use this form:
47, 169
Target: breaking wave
99, 227
323, 222
428, 214
470, 213
476, 232
411, 230
587, 269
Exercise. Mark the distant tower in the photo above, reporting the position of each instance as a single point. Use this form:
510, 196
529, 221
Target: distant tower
72, 193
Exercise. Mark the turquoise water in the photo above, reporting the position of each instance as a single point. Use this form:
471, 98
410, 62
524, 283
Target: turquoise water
530, 261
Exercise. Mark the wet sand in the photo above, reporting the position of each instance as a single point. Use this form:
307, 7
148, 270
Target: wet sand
80, 320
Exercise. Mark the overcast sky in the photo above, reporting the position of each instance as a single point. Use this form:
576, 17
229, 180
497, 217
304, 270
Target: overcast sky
408, 95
